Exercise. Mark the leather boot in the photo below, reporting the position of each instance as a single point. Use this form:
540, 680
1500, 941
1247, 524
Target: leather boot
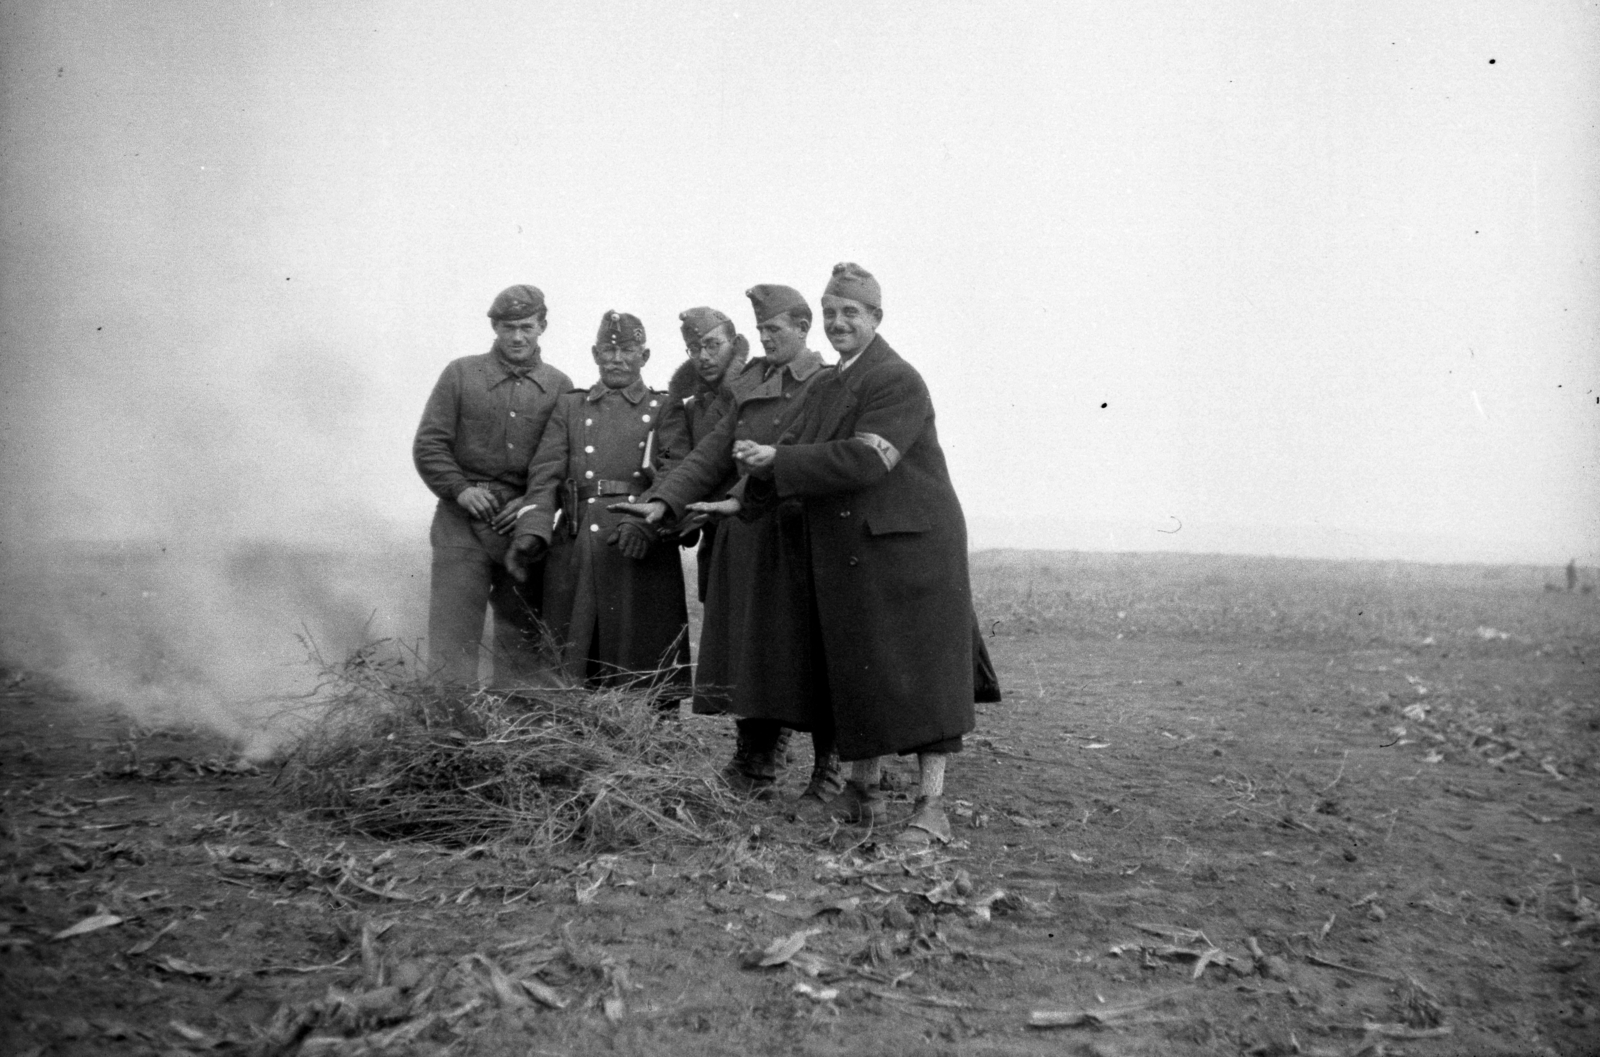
827, 782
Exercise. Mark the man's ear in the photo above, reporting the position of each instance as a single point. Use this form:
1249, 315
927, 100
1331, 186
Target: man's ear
741, 345
646, 357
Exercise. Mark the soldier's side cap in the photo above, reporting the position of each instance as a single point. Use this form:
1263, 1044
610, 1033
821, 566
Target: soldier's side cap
696, 323
770, 299
619, 328
850, 280
516, 302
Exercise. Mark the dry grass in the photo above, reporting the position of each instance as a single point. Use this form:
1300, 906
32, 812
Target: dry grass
398, 757
1478, 610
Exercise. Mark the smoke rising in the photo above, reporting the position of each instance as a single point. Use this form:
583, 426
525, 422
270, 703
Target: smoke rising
187, 634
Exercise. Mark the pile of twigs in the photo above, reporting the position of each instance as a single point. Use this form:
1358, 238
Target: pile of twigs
400, 757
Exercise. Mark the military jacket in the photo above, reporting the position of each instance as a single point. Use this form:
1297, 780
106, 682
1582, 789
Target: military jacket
482, 422
612, 615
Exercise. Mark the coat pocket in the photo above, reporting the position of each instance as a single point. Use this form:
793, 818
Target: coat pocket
892, 523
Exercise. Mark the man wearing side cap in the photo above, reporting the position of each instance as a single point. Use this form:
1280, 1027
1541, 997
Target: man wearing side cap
888, 545
478, 432
759, 654
698, 396
613, 596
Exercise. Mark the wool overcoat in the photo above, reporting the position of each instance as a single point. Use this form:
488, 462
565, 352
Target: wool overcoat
690, 414
888, 546
615, 617
759, 653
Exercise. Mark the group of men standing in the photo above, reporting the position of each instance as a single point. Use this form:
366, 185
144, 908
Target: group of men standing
832, 547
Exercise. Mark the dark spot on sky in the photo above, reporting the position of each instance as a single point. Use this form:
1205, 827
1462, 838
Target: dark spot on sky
1102, 405
99, 328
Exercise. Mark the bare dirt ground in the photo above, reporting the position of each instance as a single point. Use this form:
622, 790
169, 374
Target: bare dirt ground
1228, 806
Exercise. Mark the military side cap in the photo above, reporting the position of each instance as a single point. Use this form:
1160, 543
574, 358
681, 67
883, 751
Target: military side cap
698, 322
620, 328
770, 299
850, 280
516, 302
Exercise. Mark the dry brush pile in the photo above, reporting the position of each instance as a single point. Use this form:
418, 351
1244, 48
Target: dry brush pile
395, 756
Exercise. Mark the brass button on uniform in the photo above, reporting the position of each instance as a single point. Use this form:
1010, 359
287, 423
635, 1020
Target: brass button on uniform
852, 561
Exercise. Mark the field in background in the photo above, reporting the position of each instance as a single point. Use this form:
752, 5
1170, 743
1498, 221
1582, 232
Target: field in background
1382, 777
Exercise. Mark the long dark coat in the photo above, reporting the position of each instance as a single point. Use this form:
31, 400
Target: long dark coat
614, 616
888, 557
759, 656
690, 414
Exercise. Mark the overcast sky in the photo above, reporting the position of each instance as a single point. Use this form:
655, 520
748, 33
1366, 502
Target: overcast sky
1306, 278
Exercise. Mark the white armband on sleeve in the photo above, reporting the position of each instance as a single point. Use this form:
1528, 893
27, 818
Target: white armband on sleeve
885, 450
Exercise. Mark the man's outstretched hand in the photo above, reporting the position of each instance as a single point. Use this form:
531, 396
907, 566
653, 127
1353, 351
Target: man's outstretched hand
652, 512
525, 552
632, 538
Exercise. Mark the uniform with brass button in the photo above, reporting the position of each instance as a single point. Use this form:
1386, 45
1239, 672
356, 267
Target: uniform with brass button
616, 616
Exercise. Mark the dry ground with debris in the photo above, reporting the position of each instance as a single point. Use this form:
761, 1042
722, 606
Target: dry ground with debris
1228, 806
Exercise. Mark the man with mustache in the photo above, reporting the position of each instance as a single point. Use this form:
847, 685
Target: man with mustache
888, 548
480, 428
613, 595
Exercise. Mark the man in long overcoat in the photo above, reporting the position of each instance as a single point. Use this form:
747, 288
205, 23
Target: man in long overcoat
613, 596
481, 425
760, 655
888, 545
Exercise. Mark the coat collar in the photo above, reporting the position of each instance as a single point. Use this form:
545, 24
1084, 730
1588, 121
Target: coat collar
504, 370
633, 393
876, 351
805, 364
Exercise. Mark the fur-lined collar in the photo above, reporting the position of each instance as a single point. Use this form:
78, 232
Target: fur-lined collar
686, 381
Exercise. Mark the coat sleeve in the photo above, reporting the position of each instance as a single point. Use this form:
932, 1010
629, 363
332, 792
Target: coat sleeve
701, 472
547, 472
674, 440
894, 409
433, 451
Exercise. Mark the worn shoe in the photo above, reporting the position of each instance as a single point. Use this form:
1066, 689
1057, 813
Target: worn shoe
926, 825
753, 786
859, 804
827, 782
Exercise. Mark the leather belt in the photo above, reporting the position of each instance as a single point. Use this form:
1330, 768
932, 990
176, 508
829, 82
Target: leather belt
597, 489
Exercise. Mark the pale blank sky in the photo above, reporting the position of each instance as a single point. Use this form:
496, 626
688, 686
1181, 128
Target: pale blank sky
1330, 269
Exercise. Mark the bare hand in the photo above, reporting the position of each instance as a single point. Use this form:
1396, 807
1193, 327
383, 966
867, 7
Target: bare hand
506, 520
477, 501
526, 551
729, 507
652, 511
756, 458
